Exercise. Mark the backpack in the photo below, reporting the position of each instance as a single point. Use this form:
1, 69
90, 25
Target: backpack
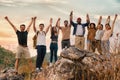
35, 40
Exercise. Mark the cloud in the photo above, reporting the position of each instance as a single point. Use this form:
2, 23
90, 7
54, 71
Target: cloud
14, 3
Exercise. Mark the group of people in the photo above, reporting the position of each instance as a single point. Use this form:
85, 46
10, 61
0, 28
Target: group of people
97, 38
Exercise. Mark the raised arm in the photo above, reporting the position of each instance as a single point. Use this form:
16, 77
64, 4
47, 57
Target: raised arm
112, 27
100, 20
108, 20
87, 18
28, 28
58, 24
71, 16
34, 21
50, 25
13, 26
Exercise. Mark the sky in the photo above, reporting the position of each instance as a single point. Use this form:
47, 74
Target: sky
21, 11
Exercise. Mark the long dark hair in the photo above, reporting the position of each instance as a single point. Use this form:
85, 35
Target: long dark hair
94, 26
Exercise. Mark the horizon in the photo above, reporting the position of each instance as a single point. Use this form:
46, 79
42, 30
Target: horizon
21, 11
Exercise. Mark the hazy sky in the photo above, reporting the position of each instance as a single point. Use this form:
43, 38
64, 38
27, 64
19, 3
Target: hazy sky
21, 11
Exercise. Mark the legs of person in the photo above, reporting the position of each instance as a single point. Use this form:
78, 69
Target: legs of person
82, 41
38, 60
93, 46
43, 54
16, 64
51, 53
55, 51
63, 44
68, 43
88, 45
103, 47
107, 47
79, 42
18, 55
98, 46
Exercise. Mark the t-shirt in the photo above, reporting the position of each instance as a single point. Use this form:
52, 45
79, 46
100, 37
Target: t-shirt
66, 32
41, 38
91, 34
99, 34
106, 35
79, 30
22, 38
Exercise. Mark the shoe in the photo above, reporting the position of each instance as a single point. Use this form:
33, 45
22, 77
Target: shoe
37, 70
50, 64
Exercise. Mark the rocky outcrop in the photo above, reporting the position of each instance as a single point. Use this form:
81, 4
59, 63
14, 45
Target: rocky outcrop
77, 64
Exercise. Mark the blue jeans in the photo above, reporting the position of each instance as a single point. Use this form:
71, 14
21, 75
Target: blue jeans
41, 51
53, 51
105, 47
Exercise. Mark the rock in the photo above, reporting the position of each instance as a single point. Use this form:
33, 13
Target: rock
77, 64
10, 74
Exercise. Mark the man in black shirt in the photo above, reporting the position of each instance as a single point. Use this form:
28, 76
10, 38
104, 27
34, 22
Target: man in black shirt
22, 41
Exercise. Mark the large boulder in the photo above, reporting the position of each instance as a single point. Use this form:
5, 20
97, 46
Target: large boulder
77, 64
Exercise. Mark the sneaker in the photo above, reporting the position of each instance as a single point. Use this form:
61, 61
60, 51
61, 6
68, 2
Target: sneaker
50, 64
37, 70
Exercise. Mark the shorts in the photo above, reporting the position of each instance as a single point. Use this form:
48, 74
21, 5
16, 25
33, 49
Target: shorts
22, 52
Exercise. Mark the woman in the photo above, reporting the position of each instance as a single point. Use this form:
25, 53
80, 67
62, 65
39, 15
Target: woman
91, 37
107, 33
54, 42
41, 43
98, 35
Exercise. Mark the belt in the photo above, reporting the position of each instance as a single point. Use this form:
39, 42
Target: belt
24, 45
79, 35
53, 41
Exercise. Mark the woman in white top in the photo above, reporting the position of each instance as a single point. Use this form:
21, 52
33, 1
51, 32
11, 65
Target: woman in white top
41, 43
107, 33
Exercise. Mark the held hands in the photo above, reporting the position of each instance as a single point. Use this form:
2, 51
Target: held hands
71, 13
116, 15
6, 17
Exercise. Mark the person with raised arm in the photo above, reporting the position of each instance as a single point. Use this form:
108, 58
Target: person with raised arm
79, 30
66, 30
91, 37
107, 33
22, 36
98, 35
54, 42
41, 43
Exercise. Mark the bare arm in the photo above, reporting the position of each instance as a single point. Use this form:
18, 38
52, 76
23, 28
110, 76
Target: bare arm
108, 20
28, 28
13, 26
112, 27
71, 16
87, 18
34, 21
47, 29
99, 21
58, 25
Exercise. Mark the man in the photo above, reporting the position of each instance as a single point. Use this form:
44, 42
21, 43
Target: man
41, 43
66, 29
22, 41
79, 31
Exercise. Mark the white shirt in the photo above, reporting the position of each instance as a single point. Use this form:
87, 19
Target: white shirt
106, 35
79, 30
41, 38
99, 34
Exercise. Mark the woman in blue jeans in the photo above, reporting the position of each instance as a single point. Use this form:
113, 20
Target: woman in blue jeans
54, 42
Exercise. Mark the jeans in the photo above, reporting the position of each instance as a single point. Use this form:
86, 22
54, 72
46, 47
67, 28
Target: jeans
53, 51
41, 51
105, 47
65, 43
